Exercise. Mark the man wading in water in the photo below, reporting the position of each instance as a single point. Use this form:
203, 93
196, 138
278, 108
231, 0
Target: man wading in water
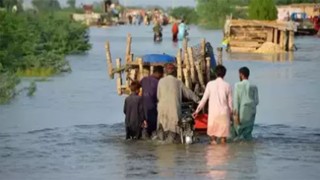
149, 96
245, 104
170, 93
133, 110
219, 94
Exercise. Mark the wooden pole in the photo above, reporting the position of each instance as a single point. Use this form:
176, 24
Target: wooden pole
140, 62
133, 74
186, 77
185, 51
128, 49
286, 45
109, 60
119, 79
151, 69
208, 69
282, 40
179, 65
275, 36
192, 71
203, 49
130, 58
270, 35
219, 50
127, 85
291, 41
200, 74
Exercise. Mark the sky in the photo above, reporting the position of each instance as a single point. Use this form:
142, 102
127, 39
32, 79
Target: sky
163, 3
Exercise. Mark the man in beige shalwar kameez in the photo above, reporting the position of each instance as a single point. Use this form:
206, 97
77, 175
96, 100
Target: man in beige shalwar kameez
169, 94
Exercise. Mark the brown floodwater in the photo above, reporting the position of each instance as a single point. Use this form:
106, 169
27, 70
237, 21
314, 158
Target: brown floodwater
73, 127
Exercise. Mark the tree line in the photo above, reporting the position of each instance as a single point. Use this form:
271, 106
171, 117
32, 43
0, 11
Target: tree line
212, 13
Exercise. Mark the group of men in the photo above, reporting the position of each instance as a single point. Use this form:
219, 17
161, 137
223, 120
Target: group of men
158, 108
179, 31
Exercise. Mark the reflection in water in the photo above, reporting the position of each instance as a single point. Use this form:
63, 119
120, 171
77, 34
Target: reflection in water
139, 160
244, 161
232, 161
217, 159
166, 163
180, 44
175, 44
278, 57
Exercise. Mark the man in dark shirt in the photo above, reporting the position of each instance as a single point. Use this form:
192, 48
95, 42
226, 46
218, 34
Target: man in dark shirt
149, 95
133, 110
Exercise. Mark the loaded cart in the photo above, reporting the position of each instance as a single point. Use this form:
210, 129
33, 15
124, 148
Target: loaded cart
194, 68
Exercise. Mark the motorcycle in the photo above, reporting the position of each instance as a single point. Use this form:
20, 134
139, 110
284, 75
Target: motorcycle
186, 124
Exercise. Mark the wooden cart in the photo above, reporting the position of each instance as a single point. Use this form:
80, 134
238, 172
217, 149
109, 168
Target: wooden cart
193, 67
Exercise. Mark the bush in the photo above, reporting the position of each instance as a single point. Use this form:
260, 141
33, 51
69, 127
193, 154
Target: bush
212, 13
263, 10
8, 83
187, 13
35, 44
33, 41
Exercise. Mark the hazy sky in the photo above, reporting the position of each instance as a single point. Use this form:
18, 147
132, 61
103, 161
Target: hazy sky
163, 3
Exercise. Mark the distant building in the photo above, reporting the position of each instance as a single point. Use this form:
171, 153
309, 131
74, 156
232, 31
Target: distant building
311, 10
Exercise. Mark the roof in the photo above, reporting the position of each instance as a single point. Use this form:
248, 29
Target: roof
281, 25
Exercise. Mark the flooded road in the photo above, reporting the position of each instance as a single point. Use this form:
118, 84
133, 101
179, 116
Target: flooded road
72, 128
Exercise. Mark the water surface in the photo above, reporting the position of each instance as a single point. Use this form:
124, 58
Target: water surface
72, 128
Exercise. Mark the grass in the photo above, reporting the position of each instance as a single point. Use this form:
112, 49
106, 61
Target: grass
36, 72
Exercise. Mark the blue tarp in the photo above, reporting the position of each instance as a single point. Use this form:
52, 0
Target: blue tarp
158, 58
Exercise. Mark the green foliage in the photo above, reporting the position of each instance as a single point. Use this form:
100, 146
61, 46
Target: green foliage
35, 44
8, 83
97, 7
212, 13
33, 41
188, 13
294, 1
72, 3
46, 5
263, 10
8, 4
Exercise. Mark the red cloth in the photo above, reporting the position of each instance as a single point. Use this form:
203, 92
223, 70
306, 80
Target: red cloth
175, 28
201, 122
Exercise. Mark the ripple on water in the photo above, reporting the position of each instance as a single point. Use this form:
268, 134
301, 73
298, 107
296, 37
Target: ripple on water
102, 148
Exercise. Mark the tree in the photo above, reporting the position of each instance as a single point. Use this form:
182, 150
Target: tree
8, 4
46, 5
187, 13
72, 3
212, 13
263, 10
